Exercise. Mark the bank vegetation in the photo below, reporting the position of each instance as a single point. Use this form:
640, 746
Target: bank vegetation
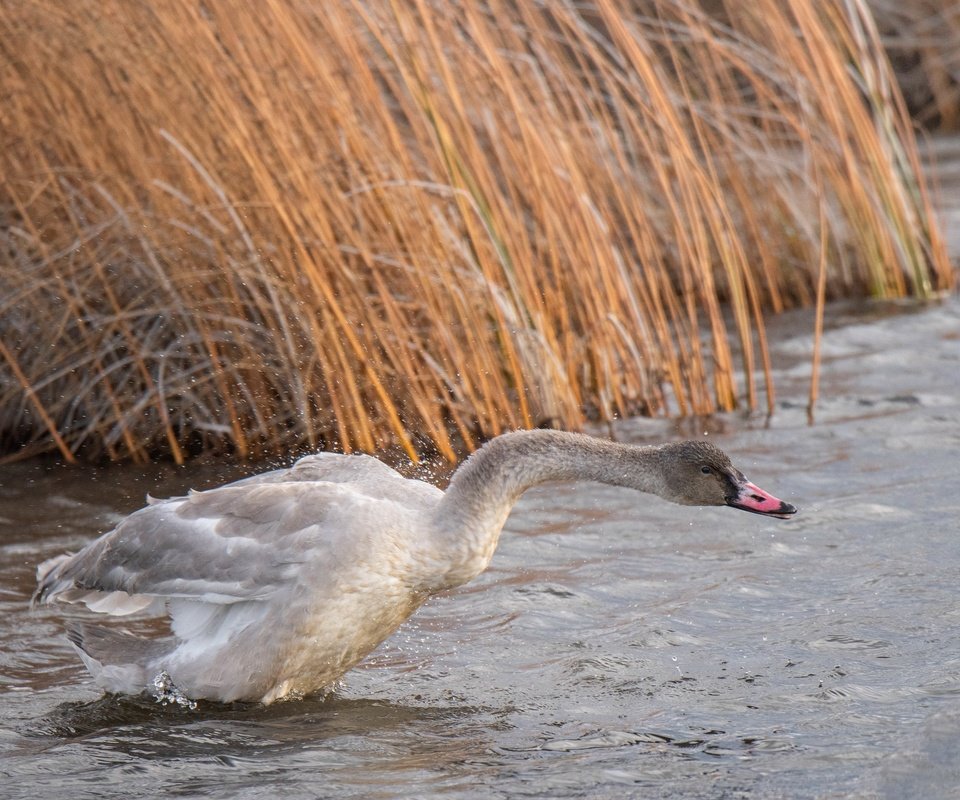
272, 227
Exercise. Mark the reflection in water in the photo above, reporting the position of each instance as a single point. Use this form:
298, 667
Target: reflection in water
283, 724
298, 742
618, 646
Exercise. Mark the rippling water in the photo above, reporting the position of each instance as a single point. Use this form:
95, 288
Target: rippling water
618, 646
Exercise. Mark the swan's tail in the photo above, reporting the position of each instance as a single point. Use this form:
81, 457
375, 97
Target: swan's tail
119, 662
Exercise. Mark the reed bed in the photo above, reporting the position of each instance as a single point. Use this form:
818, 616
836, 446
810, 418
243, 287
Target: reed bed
921, 38
374, 225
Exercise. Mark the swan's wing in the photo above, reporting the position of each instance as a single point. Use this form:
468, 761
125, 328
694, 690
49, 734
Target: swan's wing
235, 543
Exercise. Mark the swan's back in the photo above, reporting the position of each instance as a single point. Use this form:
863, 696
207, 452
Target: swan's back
363, 473
242, 540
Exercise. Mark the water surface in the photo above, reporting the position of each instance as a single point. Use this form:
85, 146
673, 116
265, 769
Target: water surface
618, 646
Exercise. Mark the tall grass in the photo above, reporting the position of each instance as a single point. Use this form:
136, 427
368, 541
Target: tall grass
368, 224
921, 38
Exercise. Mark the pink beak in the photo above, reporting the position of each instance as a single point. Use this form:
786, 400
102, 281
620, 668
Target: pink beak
752, 498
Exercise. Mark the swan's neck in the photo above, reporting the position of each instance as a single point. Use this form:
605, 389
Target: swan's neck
468, 520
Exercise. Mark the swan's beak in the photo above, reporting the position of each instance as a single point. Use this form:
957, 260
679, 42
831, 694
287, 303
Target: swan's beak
751, 497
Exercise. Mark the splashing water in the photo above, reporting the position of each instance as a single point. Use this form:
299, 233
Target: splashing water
168, 693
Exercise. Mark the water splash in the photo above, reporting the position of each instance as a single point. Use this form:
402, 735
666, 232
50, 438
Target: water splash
168, 693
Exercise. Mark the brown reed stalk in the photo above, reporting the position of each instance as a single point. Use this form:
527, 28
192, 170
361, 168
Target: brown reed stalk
374, 225
920, 37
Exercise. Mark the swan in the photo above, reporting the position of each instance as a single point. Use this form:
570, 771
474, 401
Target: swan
277, 584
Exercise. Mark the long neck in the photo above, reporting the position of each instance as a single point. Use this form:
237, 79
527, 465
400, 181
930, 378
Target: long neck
467, 522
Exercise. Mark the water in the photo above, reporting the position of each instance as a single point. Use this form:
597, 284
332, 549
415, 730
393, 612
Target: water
618, 646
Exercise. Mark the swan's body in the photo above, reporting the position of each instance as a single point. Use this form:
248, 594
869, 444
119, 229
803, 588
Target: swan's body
279, 583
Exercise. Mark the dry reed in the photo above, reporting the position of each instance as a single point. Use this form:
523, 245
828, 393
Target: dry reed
921, 38
370, 224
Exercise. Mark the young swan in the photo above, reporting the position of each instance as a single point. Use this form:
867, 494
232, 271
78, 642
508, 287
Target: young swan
278, 584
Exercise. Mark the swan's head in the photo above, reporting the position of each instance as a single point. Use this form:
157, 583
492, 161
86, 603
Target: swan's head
697, 473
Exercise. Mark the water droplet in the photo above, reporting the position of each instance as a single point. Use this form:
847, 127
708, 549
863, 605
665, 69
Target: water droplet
168, 693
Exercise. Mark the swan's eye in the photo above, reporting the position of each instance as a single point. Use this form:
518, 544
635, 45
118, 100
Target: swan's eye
706, 470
